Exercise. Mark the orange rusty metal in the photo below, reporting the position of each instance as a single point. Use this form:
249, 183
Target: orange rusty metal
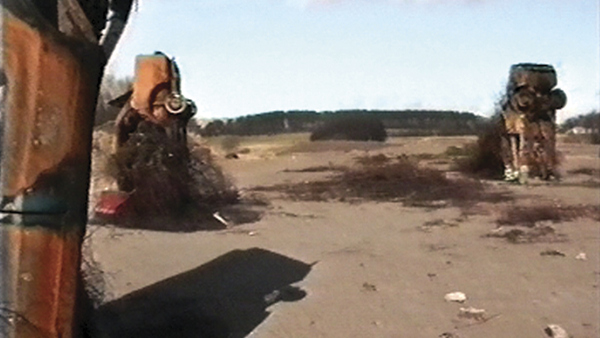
155, 98
52, 85
150, 72
50, 102
43, 281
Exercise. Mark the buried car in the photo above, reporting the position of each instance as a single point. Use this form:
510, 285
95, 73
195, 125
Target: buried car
151, 139
529, 116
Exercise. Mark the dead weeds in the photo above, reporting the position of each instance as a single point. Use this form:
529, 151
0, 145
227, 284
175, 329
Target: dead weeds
317, 169
379, 178
552, 252
440, 223
523, 235
325, 146
530, 224
528, 216
374, 160
594, 172
171, 186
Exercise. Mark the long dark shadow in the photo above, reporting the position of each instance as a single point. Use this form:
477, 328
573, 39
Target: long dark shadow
226, 297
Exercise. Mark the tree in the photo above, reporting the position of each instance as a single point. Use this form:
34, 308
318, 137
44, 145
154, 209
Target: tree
353, 127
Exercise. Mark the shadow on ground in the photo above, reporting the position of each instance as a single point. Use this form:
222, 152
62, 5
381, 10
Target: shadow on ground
227, 297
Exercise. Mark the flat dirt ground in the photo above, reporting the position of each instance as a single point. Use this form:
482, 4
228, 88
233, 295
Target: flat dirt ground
360, 268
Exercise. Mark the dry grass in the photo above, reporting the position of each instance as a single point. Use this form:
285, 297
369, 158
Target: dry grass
528, 216
375, 160
323, 146
594, 172
273, 143
524, 235
591, 184
425, 156
385, 179
316, 169
530, 224
454, 151
593, 138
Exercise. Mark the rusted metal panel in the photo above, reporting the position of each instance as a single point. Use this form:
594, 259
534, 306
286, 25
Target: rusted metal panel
150, 72
52, 83
41, 269
48, 108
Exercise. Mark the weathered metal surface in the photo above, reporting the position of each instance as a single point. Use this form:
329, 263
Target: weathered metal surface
529, 115
540, 77
52, 88
152, 73
39, 269
52, 83
156, 98
153, 118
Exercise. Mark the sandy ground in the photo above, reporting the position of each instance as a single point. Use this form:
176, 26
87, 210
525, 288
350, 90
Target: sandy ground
356, 270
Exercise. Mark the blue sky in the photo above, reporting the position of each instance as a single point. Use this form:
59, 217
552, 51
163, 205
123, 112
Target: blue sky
242, 57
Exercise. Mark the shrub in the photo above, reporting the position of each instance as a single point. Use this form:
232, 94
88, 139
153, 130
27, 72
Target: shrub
530, 215
454, 151
352, 128
374, 160
164, 177
213, 128
379, 178
484, 158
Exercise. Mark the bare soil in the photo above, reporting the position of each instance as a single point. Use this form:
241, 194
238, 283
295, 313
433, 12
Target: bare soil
350, 264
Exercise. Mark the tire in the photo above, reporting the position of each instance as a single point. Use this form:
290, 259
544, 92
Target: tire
540, 77
558, 99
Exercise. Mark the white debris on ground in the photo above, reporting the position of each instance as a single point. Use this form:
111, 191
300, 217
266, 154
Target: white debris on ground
219, 218
472, 313
458, 297
555, 331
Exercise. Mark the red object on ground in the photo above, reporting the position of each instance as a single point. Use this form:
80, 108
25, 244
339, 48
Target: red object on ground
112, 204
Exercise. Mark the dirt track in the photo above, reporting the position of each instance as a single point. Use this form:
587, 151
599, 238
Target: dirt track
362, 269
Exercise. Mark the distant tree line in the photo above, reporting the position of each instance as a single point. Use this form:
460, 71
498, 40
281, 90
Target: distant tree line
397, 122
590, 121
351, 127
